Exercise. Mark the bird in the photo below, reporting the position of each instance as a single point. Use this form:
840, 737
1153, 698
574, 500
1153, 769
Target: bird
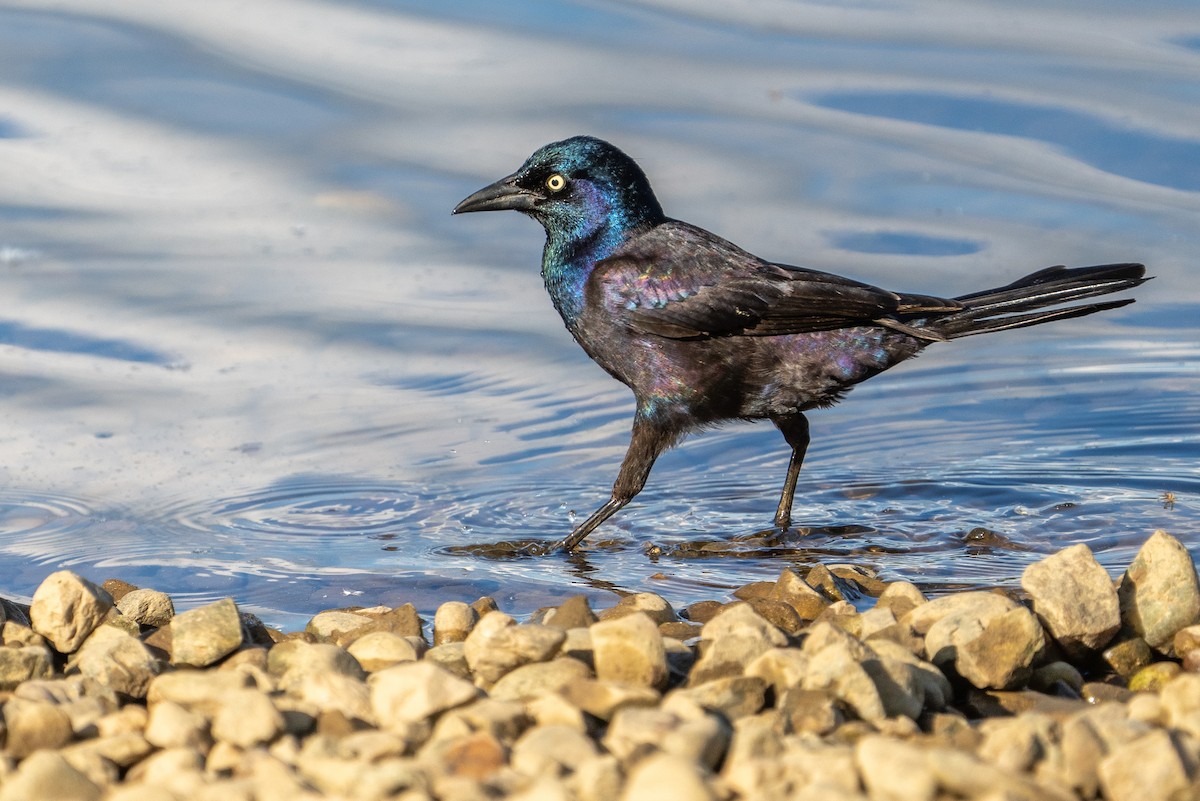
704, 332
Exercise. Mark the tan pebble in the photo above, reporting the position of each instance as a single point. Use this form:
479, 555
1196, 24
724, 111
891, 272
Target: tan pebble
1146, 769
1074, 598
147, 607
894, 770
552, 709
1160, 592
22, 663
1153, 677
654, 606
382, 649
171, 726
597, 779
47, 775
34, 726
551, 750
202, 636
573, 613
497, 645
539, 678
453, 621
66, 608
118, 661
247, 718
630, 650
412, 692
666, 776
602, 699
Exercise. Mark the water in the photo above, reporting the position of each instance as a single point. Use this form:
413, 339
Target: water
245, 350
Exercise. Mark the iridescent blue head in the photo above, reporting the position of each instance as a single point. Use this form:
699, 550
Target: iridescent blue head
588, 195
574, 188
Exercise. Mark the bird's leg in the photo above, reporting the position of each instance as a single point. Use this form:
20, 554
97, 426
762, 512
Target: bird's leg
645, 445
795, 431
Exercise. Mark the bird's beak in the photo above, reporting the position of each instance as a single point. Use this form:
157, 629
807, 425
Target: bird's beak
504, 194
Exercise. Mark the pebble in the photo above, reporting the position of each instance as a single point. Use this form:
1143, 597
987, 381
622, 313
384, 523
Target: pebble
868, 705
202, 636
147, 607
66, 608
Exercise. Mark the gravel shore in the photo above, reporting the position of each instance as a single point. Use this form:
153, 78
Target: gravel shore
1077, 687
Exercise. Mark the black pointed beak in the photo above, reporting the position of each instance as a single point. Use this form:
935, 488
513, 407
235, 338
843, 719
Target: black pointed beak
504, 194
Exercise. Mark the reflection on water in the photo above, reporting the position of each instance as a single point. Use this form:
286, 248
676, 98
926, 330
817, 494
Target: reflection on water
245, 350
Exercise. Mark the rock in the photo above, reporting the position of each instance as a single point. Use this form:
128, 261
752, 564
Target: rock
450, 656
755, 589
1187, 639
1127, 655
1160, 593
900, 598
34, 725
477, 756
333, 693
629, 649
1055, 674
289, 661
553, 709
201, 692
782, 668
894, 770
991, 643
573, 613
602, 699
147, 607
382, 649
497, 645
551, 751
809, 711
1016, 744
731, 640
1075, 600
452, 622
796, 593
1149, 768
402, 620
47, 775
666, 776
117, 660
539, 678
416, 691
836, 667
171, 726
652, 605
636, 732
503, 720
337, 626
18, 635
1153, 677
66, 608
733, 696
202, 636
702, 611
18, 664
246, 719
597, 779
779, 614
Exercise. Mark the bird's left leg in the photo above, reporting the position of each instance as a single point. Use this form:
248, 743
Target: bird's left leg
648, 440
795, 430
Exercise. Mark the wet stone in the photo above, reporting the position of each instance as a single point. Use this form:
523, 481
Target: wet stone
702, 611
1153, 677
147, 607
1129, 654
573, 613
66, 608
779, 614
796, 593
202, 636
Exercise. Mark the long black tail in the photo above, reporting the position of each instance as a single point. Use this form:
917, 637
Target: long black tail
1017, 305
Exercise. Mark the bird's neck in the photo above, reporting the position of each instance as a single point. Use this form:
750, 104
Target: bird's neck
569, 258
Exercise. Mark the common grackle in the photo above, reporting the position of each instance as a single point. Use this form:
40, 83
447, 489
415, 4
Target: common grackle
703, 331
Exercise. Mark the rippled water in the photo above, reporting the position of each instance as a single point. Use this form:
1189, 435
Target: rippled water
245, 350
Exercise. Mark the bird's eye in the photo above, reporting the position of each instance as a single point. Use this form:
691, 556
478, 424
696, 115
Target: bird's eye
555, 182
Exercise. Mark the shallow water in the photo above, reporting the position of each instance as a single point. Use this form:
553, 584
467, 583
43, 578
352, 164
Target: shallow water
245, 350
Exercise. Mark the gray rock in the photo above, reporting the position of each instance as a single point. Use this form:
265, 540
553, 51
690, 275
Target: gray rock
117, 660
202, 636
539, 678
1075, 600
894, 770
629, 649
18, 664
169, 725
47, 775
666, 776
34, 725
453, 621
246, 719
147, 607
1149, 768
377, 650
497, 645
1160, 593
416, 691
66, 608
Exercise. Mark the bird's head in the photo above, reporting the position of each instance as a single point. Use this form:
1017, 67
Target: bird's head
574, 188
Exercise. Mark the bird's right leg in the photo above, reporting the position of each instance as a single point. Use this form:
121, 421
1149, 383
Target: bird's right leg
795, 431
646, 443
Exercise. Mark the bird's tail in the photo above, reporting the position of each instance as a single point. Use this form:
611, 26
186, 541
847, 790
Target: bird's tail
1027, 301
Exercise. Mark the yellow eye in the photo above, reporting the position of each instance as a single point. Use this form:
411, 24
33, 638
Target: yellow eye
555, 182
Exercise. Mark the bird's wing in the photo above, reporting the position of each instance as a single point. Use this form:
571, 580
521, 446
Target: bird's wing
682, 282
